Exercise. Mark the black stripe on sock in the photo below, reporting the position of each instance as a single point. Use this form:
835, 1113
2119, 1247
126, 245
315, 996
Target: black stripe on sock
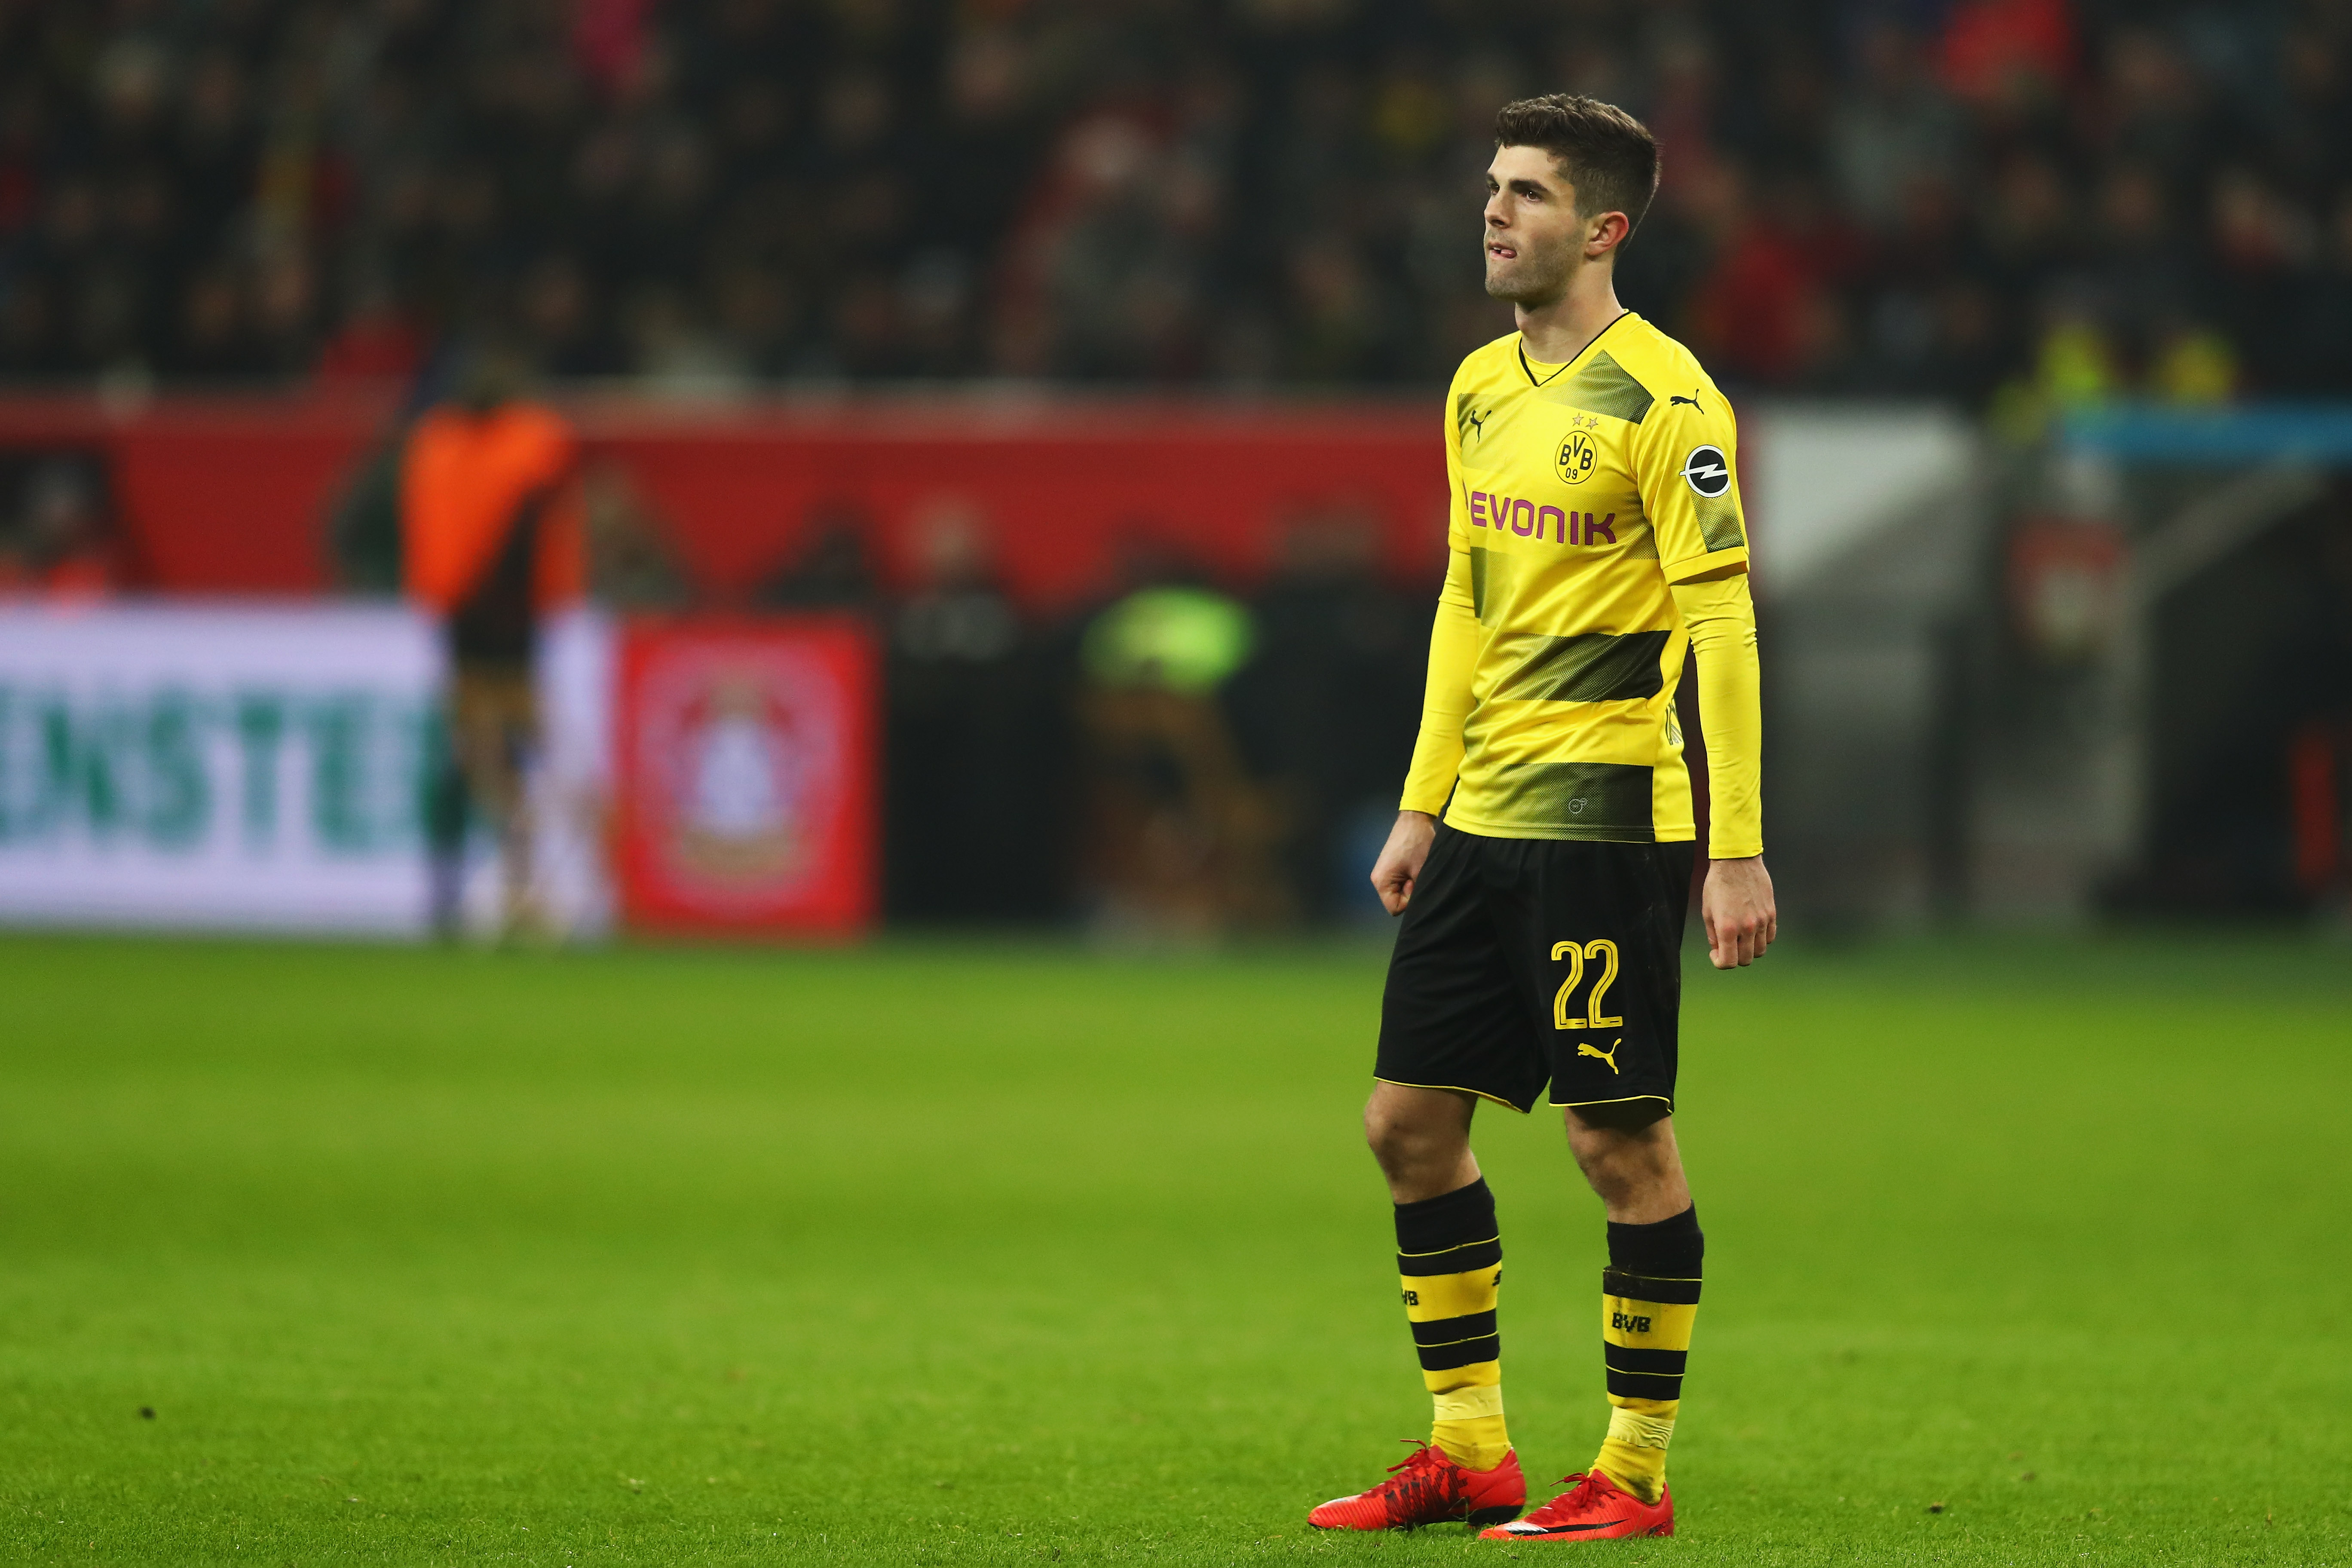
1449, 1220
1629, 1357
1468, 1326
1667, 1249
1641, 1385
1468, 1353
1453, 1260
1642, 1288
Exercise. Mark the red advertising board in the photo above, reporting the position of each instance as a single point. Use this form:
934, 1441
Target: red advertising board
745, 751
231, 494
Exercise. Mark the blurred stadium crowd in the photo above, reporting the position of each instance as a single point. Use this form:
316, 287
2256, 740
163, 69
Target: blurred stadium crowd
1974, 198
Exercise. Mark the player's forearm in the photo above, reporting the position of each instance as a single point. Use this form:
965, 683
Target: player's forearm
1444, 704
1721, 619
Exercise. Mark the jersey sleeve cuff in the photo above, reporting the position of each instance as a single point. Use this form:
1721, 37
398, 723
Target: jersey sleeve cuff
1733, 849
1700, 566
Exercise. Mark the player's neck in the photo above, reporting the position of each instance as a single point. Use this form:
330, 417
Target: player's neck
1558, 329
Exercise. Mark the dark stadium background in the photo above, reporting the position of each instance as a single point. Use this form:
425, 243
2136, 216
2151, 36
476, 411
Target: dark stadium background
1879, 199
2020, 210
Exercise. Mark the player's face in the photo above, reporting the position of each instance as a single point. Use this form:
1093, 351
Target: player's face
1535, 241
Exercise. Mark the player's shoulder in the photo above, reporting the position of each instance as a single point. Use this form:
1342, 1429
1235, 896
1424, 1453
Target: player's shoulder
1488, 364
1665, 368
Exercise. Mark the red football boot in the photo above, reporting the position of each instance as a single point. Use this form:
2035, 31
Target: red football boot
1430, 1488
1594, 1508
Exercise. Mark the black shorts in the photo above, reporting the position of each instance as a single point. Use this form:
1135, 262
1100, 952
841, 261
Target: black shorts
1523, 961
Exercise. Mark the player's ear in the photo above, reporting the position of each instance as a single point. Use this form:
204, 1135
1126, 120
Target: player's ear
1605, 233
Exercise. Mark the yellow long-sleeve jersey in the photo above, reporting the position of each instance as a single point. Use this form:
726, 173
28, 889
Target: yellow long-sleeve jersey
1596, 535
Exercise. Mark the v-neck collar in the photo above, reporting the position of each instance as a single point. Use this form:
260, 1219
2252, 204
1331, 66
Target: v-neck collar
1527, 370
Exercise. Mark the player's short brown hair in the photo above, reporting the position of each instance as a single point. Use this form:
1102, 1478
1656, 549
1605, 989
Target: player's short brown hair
1607, 154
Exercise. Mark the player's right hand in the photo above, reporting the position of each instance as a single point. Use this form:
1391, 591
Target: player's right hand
1736, 909
1401, 859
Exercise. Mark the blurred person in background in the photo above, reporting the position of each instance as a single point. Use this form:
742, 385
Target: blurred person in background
631, 563
364, 525
491, 543
1325, 708
976, 749
1181, 840
59, 541
834, 569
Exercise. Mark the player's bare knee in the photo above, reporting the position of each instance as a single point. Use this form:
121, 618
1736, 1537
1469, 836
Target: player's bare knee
1622, 1164
1415, 1149
1396, 1142
1615, 1179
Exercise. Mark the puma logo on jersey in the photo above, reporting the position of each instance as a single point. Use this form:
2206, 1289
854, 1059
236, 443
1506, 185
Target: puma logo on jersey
1609, 1056
1673, 398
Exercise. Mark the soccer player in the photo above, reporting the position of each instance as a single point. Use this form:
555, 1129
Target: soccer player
1596, 536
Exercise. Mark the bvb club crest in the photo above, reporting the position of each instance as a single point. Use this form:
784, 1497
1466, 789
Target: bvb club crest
1577, 456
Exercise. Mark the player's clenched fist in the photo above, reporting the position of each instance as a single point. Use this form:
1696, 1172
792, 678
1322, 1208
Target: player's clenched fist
1738, 911
1401, 859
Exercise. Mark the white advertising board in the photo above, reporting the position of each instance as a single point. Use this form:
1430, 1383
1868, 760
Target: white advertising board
259, 767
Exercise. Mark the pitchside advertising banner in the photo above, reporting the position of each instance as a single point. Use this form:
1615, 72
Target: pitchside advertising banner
265, 768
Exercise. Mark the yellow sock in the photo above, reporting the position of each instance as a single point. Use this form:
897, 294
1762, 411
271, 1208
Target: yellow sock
1649, 1300
1450, 1265
1469, 1423
1633, 1454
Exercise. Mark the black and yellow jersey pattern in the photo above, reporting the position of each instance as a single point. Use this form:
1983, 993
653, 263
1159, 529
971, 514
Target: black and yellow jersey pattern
1588, 500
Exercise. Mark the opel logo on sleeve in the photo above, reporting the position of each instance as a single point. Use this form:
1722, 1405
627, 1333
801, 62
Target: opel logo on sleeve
1707, 472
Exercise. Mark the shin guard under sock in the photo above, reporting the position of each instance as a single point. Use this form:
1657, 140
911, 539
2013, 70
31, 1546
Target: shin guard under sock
1649, 1298
1450, 1263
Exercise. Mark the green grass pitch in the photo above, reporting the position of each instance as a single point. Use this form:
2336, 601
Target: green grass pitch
937, 1253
